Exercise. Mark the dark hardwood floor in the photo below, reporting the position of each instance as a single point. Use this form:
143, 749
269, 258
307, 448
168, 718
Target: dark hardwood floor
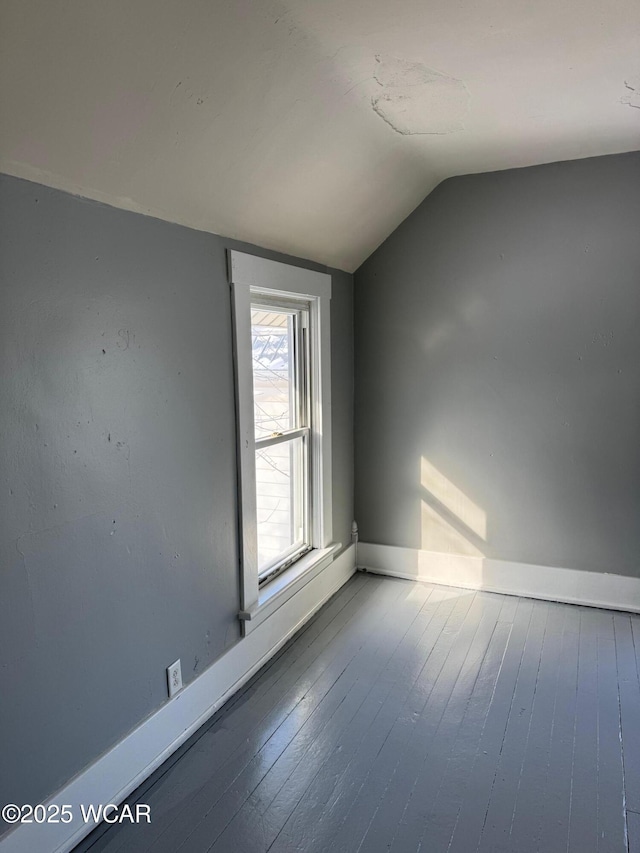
410, 717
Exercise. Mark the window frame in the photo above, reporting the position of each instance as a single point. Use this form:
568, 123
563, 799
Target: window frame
249, 276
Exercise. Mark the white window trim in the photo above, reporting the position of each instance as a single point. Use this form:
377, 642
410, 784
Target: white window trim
249, 275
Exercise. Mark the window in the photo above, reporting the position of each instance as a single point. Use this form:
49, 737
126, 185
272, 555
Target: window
282, 361
281, 415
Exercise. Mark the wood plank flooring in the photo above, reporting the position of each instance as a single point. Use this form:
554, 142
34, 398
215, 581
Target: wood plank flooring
408, 717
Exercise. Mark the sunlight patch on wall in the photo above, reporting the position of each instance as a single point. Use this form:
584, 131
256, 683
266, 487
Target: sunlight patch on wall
442, 536
453, 498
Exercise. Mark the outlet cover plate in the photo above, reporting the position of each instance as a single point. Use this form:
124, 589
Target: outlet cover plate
174, 678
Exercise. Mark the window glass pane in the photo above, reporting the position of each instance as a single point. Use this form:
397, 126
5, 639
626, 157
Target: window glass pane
273, 366
281, 501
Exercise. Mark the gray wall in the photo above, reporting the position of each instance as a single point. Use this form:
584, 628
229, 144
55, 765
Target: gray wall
118, 540
497, 337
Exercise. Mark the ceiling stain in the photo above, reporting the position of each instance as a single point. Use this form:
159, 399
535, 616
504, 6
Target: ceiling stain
415, 99
633, 98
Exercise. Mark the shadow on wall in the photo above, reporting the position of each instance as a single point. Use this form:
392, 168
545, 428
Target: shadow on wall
453, 529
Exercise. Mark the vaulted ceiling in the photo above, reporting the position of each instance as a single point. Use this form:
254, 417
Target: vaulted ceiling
308, 126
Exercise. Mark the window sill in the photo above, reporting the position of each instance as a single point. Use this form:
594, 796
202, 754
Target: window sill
278, 591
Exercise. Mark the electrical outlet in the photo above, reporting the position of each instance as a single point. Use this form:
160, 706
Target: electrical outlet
174, 678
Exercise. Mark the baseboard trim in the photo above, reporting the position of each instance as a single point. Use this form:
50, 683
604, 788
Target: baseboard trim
121, 770
592, 589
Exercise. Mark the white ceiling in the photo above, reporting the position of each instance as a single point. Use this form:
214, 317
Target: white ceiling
308, 126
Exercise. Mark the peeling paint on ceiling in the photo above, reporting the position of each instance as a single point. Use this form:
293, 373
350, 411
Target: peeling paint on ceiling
418, 100
632, 98
309, 128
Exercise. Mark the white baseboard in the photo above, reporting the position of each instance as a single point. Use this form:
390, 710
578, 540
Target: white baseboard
119, 772
593, 589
